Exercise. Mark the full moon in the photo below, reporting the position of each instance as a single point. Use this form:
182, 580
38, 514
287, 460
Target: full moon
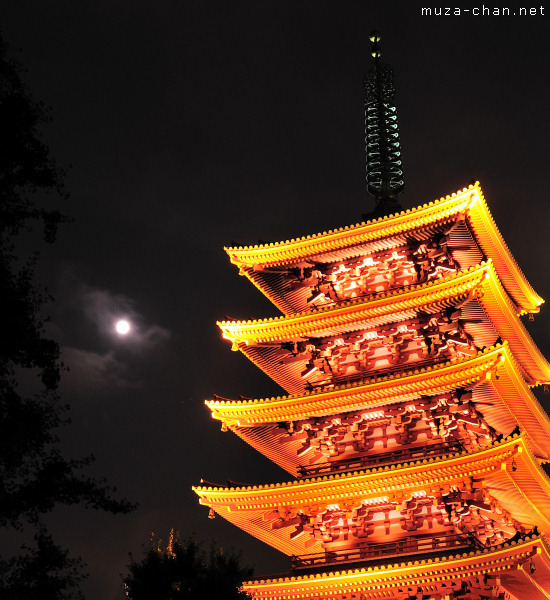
122, 327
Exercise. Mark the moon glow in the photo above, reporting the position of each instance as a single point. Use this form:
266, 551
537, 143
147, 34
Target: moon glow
122, 327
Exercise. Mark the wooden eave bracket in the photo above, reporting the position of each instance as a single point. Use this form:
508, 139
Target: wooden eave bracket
461, 373
468, 203
497, 560
490, 454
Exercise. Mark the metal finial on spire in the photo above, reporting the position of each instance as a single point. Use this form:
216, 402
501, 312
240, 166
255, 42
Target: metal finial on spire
384, 172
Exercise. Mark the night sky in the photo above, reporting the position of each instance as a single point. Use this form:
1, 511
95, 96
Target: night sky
189, 125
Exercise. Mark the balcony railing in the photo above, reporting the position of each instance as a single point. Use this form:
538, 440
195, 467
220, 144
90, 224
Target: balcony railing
429, 361
383, 458
418, 544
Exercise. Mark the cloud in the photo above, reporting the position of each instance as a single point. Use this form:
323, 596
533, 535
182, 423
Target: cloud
94, 372
104, 308
99, 359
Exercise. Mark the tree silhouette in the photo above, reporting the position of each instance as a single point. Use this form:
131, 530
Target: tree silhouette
184, 571
34, 475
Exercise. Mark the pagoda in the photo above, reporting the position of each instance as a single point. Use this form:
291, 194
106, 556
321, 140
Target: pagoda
410, 430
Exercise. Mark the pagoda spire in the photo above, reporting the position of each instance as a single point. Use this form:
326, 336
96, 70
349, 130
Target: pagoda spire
384, 170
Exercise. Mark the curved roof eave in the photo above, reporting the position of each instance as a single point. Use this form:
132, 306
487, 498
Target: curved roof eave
511, 472
396, 575
469, 201
481, 280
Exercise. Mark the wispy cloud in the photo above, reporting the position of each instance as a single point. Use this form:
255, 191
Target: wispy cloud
105, 308
98, 358
92, 372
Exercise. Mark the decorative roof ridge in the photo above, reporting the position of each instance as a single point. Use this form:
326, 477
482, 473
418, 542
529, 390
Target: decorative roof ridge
366, 300
504, 346
392, 566
377, 221
374, 470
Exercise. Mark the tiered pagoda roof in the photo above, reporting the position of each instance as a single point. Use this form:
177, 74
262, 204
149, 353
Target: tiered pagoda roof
493, 375
473, 237
409, 423
521, 568
485, 308
504, 480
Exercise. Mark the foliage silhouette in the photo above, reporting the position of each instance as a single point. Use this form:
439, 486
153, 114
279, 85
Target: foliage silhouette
184, 571
44, 572
34, 475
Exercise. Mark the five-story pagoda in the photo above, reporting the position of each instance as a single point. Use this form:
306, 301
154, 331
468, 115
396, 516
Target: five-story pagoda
410, 426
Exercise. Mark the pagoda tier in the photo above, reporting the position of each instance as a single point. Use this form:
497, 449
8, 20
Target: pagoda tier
410, 423
514, 570
463, 405
491, 495
414, 246
446, 319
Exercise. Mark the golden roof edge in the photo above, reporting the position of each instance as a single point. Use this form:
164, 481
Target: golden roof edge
469, 201
391, 567
511, 440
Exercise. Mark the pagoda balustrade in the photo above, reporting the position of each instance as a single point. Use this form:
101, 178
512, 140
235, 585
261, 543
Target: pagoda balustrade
398, 455
417, 544
324, 377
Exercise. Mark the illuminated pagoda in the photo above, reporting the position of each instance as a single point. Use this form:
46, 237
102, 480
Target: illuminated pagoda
410, 429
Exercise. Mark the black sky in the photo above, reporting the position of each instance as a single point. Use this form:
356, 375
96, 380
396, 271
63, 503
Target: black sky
191, 124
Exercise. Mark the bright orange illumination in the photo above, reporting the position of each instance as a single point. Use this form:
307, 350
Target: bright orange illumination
509, 470
468, 203
392, 307
409, 421
513, 403
399, 578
